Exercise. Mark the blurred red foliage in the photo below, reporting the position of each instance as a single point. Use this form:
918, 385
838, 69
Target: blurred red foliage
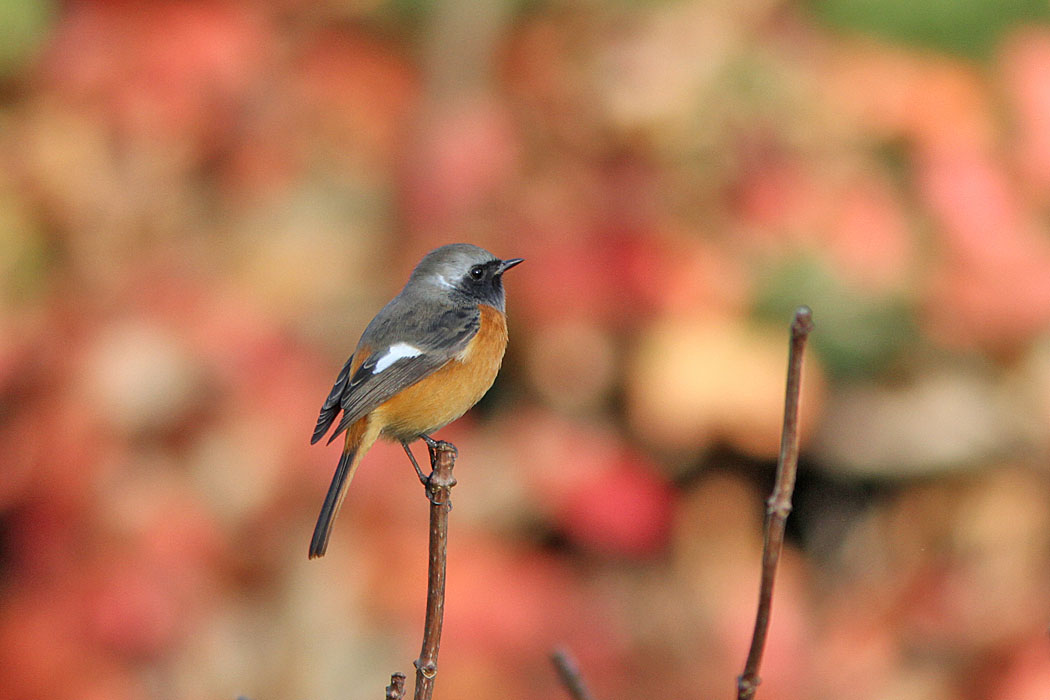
203, 203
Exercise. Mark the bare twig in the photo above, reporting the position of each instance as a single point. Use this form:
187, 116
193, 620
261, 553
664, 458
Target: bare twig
439, 489
396, 689
570, 675
779, 504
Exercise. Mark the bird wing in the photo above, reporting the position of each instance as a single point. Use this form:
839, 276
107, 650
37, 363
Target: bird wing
331, 406
393, 355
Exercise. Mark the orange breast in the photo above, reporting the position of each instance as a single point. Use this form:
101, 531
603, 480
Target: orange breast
445, 395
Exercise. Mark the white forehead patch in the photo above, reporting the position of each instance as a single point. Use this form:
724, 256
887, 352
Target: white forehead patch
397, 351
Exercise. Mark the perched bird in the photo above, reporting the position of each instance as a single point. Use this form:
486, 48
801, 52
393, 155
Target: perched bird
428, 356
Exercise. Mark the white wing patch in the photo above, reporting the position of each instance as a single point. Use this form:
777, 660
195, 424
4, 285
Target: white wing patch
397, 351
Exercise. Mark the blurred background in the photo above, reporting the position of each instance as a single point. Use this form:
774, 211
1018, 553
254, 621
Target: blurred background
203, 203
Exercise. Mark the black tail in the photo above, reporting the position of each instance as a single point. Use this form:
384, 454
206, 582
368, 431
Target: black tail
332, 501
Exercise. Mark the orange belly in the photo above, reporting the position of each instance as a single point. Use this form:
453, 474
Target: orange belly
440, 398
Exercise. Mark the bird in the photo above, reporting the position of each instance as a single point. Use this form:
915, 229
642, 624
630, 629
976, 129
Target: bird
425, 359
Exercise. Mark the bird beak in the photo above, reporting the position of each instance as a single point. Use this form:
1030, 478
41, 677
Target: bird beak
507, 264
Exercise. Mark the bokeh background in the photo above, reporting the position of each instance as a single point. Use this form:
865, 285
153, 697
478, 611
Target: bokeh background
203, 203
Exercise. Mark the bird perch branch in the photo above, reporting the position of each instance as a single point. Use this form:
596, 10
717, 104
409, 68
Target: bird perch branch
569, 675
779, 504
439, 490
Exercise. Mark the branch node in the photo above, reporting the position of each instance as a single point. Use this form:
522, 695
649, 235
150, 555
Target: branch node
803, 321
428, 669
396, 689
778, 506
746, 687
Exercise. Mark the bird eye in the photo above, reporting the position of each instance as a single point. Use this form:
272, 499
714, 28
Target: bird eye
477, 272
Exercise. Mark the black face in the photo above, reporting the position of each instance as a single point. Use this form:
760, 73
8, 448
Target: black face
484, 282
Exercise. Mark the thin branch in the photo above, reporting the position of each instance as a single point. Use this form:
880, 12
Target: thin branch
569, 674
396, 689
439, 491
779, 504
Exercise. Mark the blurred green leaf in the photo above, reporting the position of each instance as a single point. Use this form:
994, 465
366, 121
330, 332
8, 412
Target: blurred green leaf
24, 254
967, 27
24, 26
860, 335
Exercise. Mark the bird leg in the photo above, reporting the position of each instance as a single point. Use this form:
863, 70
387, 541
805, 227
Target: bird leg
423, 478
